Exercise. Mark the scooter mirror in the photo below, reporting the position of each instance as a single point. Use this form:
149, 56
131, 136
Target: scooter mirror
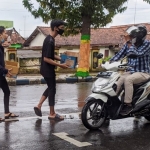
100, 55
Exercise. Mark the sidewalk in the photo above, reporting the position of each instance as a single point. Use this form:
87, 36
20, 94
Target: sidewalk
38, 79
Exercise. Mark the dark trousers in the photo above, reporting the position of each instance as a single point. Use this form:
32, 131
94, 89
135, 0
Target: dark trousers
51, 90
6, 91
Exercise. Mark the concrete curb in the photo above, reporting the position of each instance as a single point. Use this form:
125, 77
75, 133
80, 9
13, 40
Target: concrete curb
14, 82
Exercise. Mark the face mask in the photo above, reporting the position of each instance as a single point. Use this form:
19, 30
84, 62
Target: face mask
60, 32
2, 40
133, 41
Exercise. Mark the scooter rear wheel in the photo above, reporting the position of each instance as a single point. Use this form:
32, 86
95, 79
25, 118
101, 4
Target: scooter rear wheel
93, 114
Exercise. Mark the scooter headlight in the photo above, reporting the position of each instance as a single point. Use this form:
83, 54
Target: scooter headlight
97, 89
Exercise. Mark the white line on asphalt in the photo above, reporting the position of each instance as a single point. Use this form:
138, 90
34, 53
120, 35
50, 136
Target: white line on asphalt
66, 116
64, 136
13, 119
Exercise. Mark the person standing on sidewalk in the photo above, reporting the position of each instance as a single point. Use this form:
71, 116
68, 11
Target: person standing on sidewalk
4, 72
47, 69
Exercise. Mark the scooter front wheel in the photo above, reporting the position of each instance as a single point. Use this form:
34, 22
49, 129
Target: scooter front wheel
93, 114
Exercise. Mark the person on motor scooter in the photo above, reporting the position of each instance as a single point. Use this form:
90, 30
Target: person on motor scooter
139, 66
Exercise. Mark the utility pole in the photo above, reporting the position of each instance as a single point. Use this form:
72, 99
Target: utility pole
24, 25
135, 11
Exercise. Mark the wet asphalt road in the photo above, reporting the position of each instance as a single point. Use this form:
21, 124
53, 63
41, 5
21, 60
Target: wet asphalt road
69, 98
33, 133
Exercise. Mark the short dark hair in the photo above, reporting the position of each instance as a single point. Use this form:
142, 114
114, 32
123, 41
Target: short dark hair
2, 28
57, 23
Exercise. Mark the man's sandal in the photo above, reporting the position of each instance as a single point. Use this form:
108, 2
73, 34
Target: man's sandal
11, 115
57, 117
2, 120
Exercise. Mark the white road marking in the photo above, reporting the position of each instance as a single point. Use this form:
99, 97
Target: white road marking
66, 116
11, 119
64, 136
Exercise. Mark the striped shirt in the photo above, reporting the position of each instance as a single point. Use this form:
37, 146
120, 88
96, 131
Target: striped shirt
139, 64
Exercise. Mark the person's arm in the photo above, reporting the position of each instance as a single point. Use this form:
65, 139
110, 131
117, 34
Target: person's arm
3, 70
50, 61
120, 54
142, 50
57, 57
48, 56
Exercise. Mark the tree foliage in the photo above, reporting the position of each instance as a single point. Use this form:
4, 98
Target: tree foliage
72, 11
99, 12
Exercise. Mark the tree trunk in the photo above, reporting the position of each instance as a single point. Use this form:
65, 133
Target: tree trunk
84, 54
86, 25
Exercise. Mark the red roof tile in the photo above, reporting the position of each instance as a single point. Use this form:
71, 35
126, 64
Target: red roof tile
127, 26
99, 37
15, 38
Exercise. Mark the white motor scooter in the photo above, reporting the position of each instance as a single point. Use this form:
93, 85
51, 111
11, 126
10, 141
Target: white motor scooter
104, 103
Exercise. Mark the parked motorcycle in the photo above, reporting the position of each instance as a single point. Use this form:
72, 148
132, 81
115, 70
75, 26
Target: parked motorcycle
104, 103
